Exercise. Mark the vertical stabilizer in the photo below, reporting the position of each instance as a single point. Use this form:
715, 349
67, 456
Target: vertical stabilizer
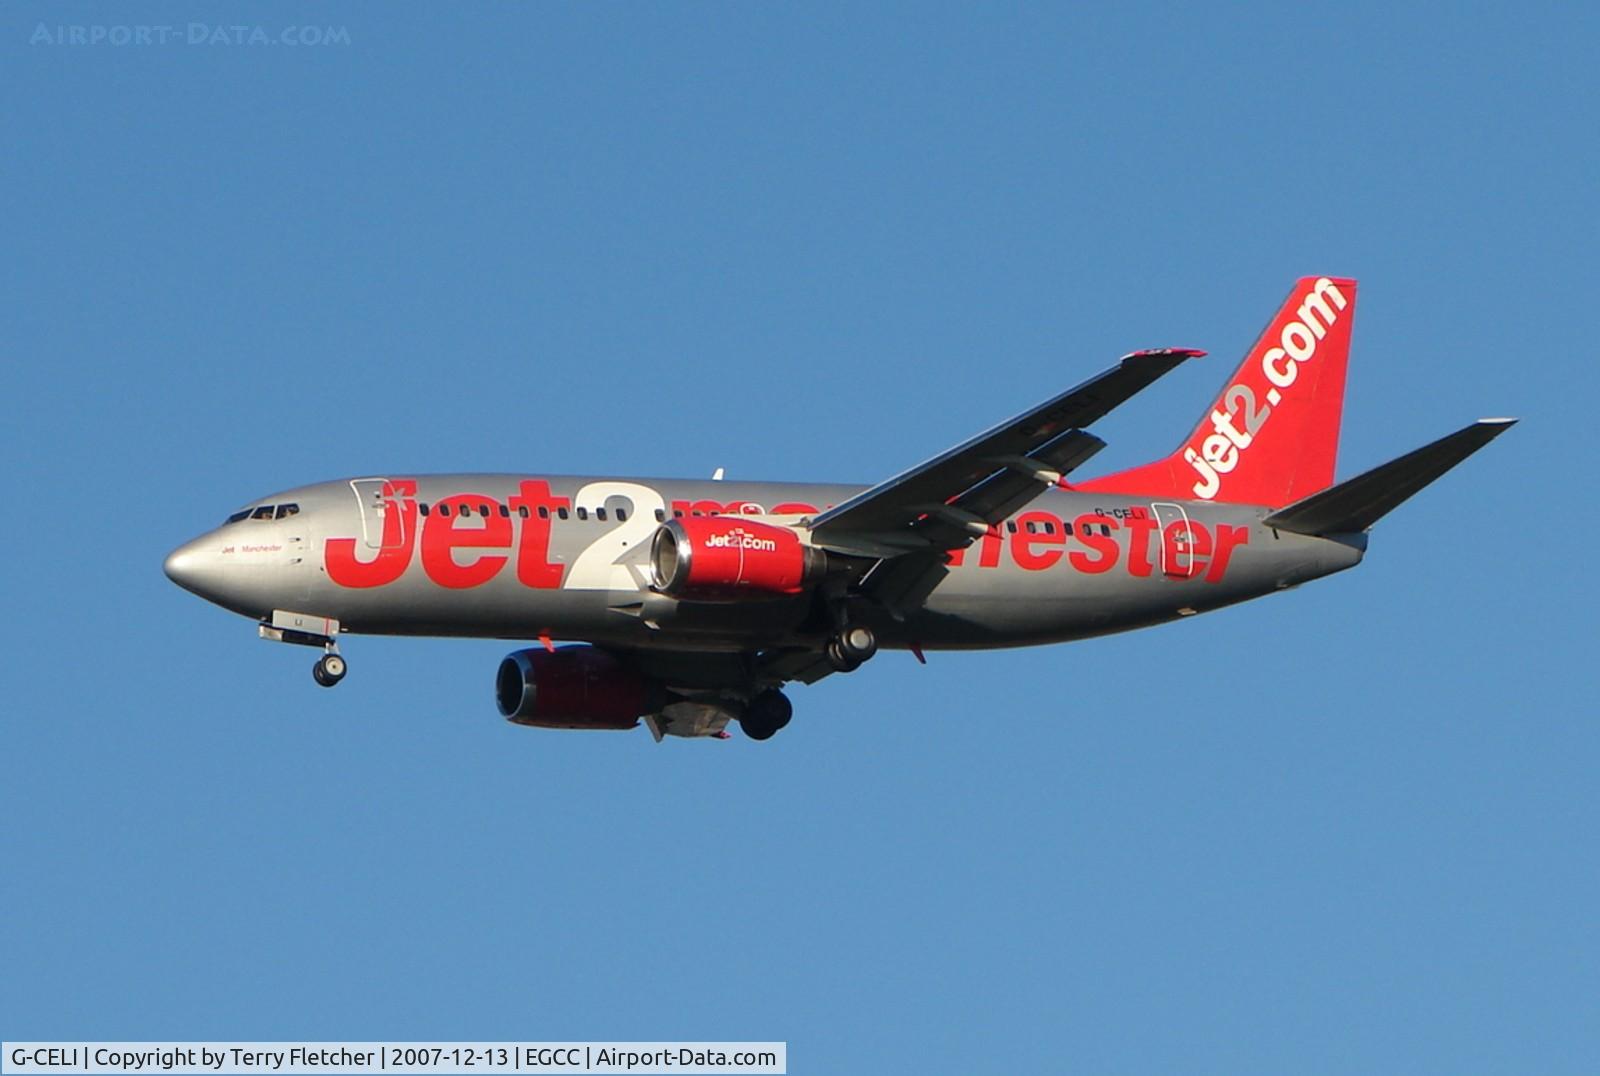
1272, 436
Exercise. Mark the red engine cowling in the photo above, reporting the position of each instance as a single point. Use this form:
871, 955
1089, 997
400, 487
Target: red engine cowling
573, 687
726, 558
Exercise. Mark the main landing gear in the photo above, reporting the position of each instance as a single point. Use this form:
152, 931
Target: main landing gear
329, 669
848, 649
766, 714
771, 710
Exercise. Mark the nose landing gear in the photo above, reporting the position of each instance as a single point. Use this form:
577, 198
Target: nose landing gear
305, 629
329, 669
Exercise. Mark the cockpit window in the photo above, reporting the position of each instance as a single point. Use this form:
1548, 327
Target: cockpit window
264, 512
237, 516
287, 510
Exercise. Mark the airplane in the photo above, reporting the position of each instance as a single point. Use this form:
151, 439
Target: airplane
690, 604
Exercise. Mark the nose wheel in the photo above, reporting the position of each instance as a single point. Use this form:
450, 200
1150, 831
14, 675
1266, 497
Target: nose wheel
329, 669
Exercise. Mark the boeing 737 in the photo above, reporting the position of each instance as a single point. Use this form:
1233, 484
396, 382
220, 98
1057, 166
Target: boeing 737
689, 604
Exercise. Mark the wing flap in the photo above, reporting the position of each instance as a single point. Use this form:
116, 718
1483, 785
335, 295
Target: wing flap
904, 583
1022, 478
795, 663
947, 501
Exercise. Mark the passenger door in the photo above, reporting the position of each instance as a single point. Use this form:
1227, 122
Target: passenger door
377, 530
1176, 538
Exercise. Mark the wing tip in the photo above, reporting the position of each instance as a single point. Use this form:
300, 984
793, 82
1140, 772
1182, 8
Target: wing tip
1165, 353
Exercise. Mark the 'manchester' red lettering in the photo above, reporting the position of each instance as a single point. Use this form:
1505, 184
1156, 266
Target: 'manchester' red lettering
1103, 546
1037, 529
465, 541
1091, 546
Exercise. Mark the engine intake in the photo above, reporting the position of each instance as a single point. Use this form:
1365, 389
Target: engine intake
573, 687
726, 558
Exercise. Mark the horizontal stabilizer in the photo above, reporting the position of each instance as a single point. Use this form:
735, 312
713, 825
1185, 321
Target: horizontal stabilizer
1358, 503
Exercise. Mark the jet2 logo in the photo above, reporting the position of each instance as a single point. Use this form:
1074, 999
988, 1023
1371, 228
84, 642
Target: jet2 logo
1294, 342
740, 538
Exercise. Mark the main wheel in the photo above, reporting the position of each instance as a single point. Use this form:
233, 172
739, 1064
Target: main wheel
858, 643
840, 661
766, 714
329, 670
777, 706
757, 731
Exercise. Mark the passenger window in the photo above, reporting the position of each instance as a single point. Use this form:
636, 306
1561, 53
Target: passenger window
661, 517
1011, 526
562, 512
264, 512
522, 510
600, 514
1105, 529
505, 513
422, 509
622, 515
1033, 528
544, 512
1049, 527
483, 510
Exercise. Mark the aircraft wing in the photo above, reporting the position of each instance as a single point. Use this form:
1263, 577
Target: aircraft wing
906, 524
954, 498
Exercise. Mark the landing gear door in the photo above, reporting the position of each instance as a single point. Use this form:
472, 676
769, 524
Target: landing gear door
1176, 538
374, 511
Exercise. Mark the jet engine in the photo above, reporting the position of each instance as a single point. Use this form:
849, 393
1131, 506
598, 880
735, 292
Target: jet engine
574, 687
726, 558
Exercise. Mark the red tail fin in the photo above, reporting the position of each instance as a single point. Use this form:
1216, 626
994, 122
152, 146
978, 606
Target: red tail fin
1272, 436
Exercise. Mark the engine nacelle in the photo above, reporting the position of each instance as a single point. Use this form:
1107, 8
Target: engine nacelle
726, 558
573, 687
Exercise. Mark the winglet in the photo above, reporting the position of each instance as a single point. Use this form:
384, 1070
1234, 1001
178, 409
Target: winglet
1180, 352
1357, 503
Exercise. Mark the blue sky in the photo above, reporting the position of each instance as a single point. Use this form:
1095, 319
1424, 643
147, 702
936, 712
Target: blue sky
1346, 829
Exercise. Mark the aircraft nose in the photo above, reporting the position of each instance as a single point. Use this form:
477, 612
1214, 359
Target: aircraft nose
186, 566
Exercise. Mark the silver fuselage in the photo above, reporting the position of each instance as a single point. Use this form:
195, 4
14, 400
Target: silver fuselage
525, 557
